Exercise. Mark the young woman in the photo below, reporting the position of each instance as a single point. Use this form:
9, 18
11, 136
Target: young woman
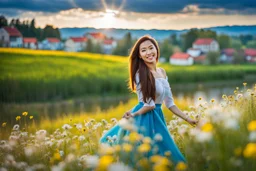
152, 87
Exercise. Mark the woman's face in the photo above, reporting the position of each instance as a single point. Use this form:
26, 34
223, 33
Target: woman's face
148, 52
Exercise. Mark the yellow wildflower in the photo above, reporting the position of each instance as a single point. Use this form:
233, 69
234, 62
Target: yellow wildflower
244, 84
18, 118
161, 167
30, 117
24, 113
56, 156
117, 148
144, 148
109, 150
104, 162
238, 151
134, 137
224, 96
144, 163
252, 126
155, 158
212, 100
200, 98
181, 166
127, 147
4, 124
147, 140
207, 127
167, 153
250, 150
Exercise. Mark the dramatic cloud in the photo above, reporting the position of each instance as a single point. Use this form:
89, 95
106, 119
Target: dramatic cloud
134, 14
142, 6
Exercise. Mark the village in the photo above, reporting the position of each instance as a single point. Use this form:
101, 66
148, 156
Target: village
197, 54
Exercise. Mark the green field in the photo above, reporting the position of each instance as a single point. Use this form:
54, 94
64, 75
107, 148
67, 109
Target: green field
29, 75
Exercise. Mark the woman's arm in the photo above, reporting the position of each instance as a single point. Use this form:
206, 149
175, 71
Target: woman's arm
143, 110
174, 109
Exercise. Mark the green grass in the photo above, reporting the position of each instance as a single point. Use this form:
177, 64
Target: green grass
29, 75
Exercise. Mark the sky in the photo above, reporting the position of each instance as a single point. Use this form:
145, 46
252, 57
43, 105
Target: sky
132, 14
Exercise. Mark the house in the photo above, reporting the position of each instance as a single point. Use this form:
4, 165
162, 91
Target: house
51, 44
200, 59
206, 45
109, 45
10, 37
227, 55
30, 42
96, 37
75, 44
180, 58
250, 55
194, 52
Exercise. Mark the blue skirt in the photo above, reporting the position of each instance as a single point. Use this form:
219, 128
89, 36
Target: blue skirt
150, 124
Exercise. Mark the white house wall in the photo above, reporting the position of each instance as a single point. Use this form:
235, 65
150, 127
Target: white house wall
18, 42
4, 37
190, 61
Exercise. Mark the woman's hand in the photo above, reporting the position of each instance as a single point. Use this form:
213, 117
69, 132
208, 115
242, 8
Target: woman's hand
127, 115
192, 121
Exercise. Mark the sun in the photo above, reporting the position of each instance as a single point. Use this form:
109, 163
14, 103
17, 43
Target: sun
110, 14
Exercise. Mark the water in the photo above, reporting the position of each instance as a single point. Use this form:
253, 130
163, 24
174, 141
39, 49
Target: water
206, 91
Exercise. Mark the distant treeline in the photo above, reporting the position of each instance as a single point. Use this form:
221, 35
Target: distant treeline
28, 29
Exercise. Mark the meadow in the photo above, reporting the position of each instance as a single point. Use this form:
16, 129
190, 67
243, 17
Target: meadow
40, 76
224, 139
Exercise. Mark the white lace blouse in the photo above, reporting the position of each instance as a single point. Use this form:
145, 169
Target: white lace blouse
163, 92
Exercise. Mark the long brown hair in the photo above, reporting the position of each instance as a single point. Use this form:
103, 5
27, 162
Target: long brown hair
147, 80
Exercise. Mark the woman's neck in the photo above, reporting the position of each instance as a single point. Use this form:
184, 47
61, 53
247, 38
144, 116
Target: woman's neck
151, 66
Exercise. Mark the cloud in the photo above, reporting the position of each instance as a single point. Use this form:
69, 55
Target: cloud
190, 18
141, 6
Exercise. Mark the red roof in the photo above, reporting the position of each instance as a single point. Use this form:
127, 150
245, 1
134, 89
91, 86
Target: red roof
203, 41
79, 39
108, 42
29, 40
12, 31
200, 58
180, 55
98, 35
229, 51
250, 52
53, 40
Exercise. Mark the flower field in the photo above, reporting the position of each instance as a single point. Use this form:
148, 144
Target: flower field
224, 139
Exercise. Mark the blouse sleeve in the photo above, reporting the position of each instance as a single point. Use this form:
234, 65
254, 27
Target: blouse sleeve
149, 101
169, 102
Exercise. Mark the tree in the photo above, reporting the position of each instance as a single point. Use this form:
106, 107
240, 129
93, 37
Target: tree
49, 31
166, 49
174, 40
124, 45
32, 28
89, 46
245, 38
236, 44
98, 48
224, 41
251, 44
189, 38
3, 21
213, 57
239, 57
